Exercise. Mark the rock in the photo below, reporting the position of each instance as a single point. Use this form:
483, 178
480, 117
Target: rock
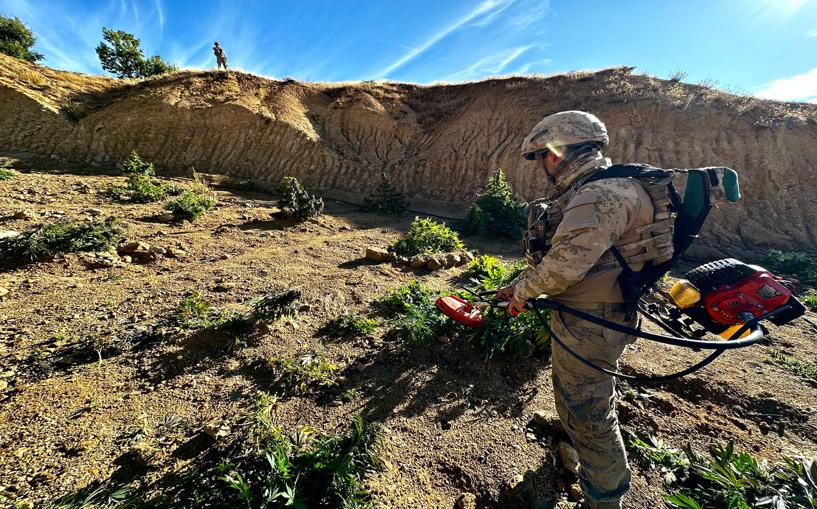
378, 255
516, 482
549, 424
466, 501
467, 257
133, 247
175, 252
452, 260
418, 262
167, 217
575, 493
158, 250
25, 214
8, 234
569, 458
401, 260
435, 263
3, 292
127, 259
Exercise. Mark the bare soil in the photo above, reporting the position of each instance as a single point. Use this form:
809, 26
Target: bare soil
88, 380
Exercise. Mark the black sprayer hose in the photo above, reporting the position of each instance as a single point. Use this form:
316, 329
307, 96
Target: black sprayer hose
633, 378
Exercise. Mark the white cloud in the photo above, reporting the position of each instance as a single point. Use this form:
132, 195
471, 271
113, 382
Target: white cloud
801, 87
161, 15
490, 65
486, 7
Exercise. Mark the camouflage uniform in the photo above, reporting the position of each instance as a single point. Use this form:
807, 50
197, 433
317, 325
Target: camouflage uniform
579, 270
221, 58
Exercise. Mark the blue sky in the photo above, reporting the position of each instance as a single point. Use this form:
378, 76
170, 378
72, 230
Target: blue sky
763, 47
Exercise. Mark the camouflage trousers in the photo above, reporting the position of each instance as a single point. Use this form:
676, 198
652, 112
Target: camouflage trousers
585, 401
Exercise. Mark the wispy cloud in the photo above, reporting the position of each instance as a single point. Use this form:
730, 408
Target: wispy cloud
812, 33
492, 64
486, 7
800, 87
161, 14
531, 15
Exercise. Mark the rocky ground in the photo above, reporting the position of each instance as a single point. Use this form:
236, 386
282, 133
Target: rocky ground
81, 388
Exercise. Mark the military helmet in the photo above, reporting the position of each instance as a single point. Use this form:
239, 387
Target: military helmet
564, 129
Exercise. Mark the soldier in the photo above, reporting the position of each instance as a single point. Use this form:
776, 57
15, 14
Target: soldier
221, 58
570, 251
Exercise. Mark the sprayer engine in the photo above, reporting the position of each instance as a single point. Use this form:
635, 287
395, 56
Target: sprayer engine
724, 294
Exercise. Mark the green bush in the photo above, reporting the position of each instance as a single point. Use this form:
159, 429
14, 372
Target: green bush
801, 265
143, 189
16, 40
6, 174
492, 272
348, 326
426, 236
386, 199
63, 236
518, 336
193, 312
309, 371
191, 205
495, 212
400, 299
810, 300
800, 368
134, 165
295, 202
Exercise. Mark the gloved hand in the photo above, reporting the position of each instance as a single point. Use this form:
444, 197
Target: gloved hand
505, 293
515, 306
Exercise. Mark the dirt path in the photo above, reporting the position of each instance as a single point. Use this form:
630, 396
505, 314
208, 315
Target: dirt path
76, 404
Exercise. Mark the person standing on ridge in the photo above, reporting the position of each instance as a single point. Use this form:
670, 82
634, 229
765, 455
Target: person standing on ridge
221, 58
577, 243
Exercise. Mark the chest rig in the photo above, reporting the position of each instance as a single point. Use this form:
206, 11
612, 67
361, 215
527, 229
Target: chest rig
649, 243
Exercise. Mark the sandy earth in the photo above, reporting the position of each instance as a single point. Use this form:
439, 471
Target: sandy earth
75, 403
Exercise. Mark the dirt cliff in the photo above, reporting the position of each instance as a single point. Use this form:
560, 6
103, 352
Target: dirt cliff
438, 142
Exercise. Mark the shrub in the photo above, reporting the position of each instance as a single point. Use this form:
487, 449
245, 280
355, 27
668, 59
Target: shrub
295, 202
677, 75
810, 300
121, 54
193, 312
348, 326
63, 236
6, 174
191, 205
495, 212
308, 372
134, 165
305, 469
492, 272
400, 299
801, 265
16, 40
143, 189
518, 336
426, 236
386, 199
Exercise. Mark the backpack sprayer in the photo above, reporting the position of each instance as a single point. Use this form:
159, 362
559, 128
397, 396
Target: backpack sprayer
726, 298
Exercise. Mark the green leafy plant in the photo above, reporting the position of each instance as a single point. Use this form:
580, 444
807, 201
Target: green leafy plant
492, 273
495, 212
310, 371
121, 54
656, 453
6, 174
191, 205
400, 299
295, 202
800, 368
386, 199
16, 40
193, 312
347, 326
61, 237
799, 264
135, 165
810, 300
143, 189
426, 236
518, 336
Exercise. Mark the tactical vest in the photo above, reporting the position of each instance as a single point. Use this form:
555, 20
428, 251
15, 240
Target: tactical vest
649, 243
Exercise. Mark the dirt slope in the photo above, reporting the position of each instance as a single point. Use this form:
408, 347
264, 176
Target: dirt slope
439, 142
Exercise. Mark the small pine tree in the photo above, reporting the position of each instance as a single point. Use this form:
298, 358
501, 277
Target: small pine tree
495, 212
295, 202
386, 199
135, 165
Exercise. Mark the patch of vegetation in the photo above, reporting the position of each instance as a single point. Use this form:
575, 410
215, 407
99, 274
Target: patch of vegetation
310, 371
16, 40
142, 189
799, 264
347, 326
677, 75
492, 273
191, 205
400, 299
495, 212
61, 237
730, 479
295, 202
193, 312
426, 236
6, 174
810, 300
102, 496
386, 199
800, 368
519, 336
135, 165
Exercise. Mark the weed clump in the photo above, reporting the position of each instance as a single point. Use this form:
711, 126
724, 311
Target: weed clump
801, 265
810, 300
142, 189
347, 326
295, 202
400, 299
800, 368
492, 273
495, 212
730, 479
6, 174
135, 165
193, 312
61, 237
386, 199
310, 371
426, 236
191, 205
